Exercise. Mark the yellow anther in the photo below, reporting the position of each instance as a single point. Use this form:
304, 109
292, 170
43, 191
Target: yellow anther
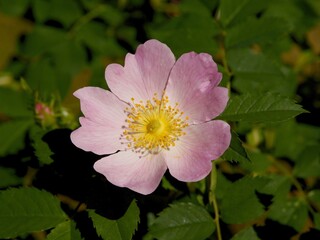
154, 125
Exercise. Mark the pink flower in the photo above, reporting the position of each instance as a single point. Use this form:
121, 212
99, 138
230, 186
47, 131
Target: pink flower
158, 115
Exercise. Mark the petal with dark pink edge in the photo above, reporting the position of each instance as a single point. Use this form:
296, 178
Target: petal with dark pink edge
143, 74
97, 138
192, 85
190, 160
126, 169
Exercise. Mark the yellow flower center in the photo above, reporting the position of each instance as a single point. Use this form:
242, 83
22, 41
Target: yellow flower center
153, 125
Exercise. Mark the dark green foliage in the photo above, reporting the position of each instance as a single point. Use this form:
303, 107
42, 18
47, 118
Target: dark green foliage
265, 186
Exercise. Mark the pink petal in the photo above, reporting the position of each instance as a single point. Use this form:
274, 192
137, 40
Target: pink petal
192, 84
143, 74
101, 106
97, 138
126, 169
102, 125
190, 160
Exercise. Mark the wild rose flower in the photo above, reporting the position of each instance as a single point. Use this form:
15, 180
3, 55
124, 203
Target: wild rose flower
158, 116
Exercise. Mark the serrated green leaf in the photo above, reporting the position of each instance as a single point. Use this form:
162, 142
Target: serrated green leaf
256, 31
246, 234
15, 104
24, 210
292, 212
64, 231
264, 108
240, 203
8, 177
236, 151
121, 229
308, 163
183, 221
233, 12
12, 135
41, 149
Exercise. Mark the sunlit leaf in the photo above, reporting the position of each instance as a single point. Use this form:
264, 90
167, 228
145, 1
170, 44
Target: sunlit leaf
264, 108
183, 221
26, 210
120, 229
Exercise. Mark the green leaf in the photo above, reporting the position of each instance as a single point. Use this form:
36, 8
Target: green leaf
14, 7
314, 5
300, 136
24, 210
240, 203
20, 103
189, 32
233, 12
121, 229
94, 35
43, 39
292, 212
256, 31
308, 163
64, 231
255, 72
314, 199
258, 108
12, 135
8, 177
41, 149
65, 12
42, 77
258, 164
316, 219
183, 221
246, 234
236, 151
277, 185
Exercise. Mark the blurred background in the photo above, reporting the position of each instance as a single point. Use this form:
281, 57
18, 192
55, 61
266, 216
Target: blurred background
50, 48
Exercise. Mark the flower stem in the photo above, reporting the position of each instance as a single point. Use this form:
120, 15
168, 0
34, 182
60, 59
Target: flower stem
213, 200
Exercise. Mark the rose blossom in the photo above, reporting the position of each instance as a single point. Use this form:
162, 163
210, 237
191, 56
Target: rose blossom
158, 116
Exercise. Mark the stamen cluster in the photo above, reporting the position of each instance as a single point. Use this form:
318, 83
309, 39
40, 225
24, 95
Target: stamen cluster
153, 125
